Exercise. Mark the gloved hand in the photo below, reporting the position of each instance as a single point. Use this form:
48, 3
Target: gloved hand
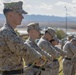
41, 61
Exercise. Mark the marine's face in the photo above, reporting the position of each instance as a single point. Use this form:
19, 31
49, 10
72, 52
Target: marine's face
55, 43
17, 18
49, 36
38, 34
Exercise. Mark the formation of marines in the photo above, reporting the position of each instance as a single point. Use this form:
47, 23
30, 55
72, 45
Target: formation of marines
19, 57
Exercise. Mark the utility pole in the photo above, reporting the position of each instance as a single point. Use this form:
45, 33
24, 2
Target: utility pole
66, 17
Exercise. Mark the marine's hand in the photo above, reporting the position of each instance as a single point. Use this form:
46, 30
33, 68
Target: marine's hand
41, 61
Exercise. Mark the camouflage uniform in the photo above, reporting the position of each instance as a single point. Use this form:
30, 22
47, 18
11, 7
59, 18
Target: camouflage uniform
55, 64
12, 47
68, 38
68, 66
62, 53
74, 65
73, 41
55, 42
33, 44
46, 46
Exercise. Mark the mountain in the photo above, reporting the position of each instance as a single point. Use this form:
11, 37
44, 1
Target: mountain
54, 21
44, 18
2, 17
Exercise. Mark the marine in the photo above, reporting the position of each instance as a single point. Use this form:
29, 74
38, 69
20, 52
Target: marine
12, 47
46, 46
55, 65
70, 49
34, 33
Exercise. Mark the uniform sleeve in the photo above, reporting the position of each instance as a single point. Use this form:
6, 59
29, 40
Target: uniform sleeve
72, 48
16, 44
49, 49
37, 48
46, 54
62, 53
68, 49
31, 55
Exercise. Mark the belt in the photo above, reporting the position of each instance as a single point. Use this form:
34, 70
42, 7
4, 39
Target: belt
55, 60
20, 71
68, 58
38, 67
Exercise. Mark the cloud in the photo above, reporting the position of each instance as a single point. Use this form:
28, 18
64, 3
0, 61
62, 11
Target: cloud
73, 1
28, 6
1, 6
10, 0
71, 7
45, 6
60, 3
16, 0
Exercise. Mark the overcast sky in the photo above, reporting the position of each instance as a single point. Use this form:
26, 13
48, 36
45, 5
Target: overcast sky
47, 7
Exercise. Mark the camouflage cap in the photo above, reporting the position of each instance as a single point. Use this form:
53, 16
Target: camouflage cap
33, 26
56, 39
70, 36
15, 6
73, 39
51, 31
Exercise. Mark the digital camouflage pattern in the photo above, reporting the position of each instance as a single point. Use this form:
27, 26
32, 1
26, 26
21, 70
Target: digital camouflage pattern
12, 49
33, 44
46, 46
33, 25
15, 6
68, 64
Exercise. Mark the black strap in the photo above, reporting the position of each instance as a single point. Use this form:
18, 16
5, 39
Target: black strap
20, 71
38, 67
67, 58
55, 60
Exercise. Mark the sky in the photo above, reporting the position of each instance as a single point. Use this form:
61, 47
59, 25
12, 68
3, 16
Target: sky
46, 7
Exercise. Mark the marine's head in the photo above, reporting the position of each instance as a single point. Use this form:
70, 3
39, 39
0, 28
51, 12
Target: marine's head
13, 12
34, 30
50, 33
